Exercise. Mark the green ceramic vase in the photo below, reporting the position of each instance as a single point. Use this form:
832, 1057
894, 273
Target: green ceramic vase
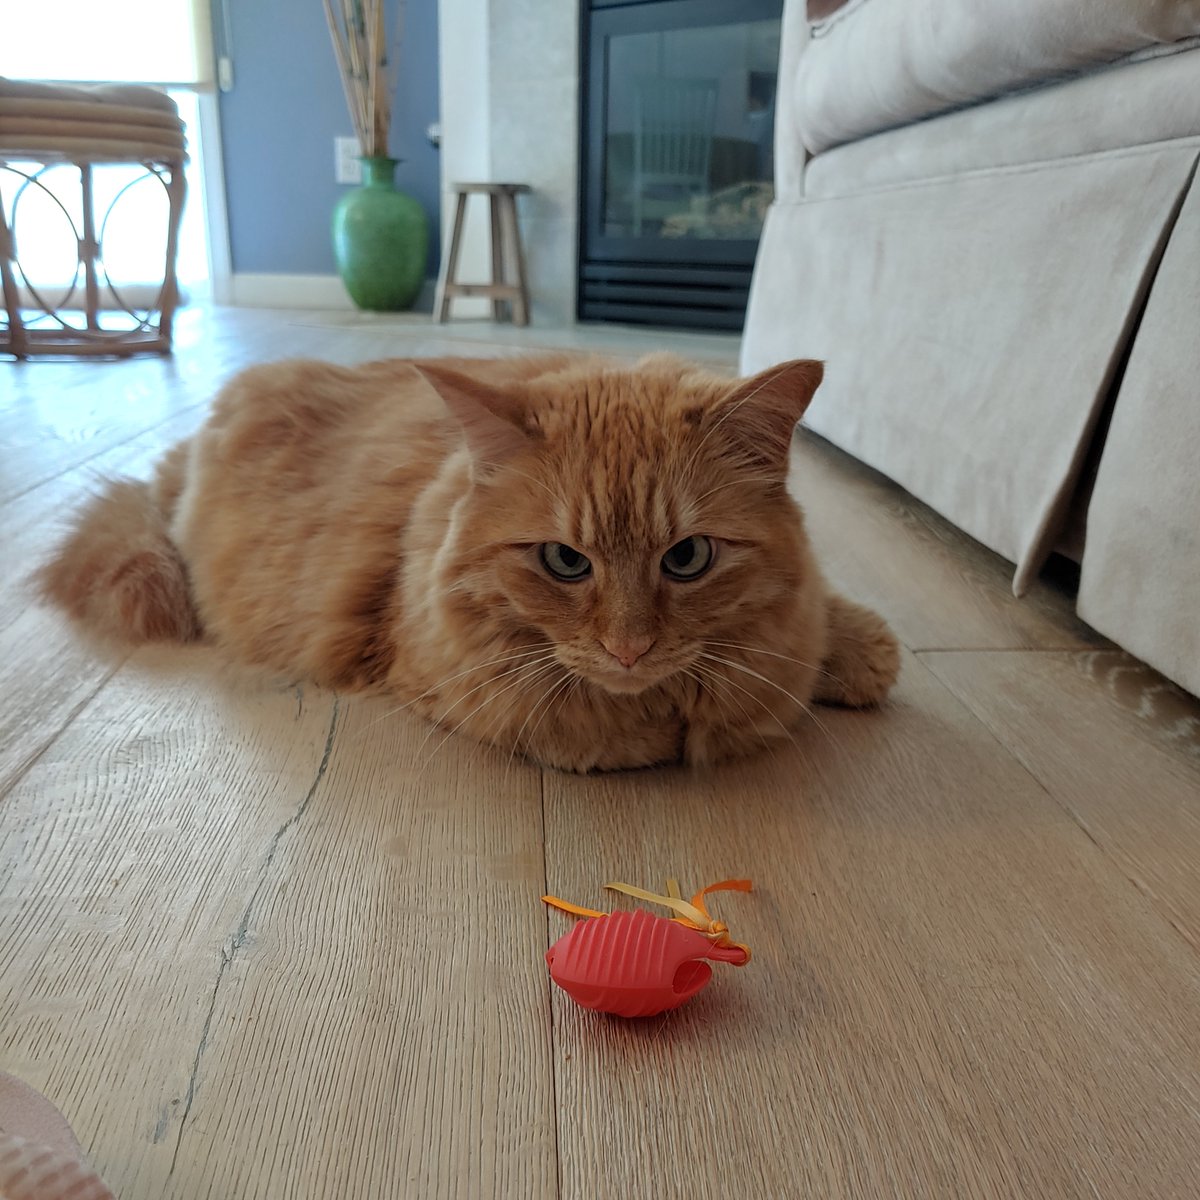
380, 240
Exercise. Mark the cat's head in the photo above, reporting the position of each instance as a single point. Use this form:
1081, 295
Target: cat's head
630, 517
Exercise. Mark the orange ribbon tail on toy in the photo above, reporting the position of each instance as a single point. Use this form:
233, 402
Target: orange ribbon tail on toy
691, 913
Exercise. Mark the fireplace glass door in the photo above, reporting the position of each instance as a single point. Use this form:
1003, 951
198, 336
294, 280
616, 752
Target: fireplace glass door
680, 123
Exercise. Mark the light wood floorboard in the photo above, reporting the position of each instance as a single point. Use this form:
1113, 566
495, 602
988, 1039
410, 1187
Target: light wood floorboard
258, 941
952, 993
1115, 744
133, 849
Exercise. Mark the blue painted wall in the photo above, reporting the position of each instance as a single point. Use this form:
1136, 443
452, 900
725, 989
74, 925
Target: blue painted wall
279, 121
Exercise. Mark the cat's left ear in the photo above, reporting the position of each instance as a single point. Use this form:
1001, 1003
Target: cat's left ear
492, 418
761, 412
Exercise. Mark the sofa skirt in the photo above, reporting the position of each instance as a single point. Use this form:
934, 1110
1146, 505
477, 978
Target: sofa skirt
1141, 563
971, 326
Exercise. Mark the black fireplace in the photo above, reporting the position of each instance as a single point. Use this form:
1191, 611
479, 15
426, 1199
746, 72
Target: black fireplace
677, 162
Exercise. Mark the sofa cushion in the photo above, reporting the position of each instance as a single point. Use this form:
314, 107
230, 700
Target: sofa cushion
1112, 108
874, 64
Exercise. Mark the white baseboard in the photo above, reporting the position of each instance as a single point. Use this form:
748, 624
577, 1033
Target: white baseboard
288, 291
303, 291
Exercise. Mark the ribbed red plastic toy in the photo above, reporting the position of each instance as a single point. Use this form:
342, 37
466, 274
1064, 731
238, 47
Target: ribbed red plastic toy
636, 964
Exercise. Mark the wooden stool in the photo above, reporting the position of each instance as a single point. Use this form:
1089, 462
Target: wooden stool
86, 127
504, 226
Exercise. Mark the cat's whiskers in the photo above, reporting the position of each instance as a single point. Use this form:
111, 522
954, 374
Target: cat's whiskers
487, 733
543, 662
563, 700
486, 736
556, 688
543, 649
538, 671
481, 666
516, 741
805, 708
721, 690
476, 742
774, 654
562, 696
741, 481
706, 685
787, 733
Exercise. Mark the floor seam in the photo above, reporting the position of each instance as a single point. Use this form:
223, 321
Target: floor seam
23, 770
242, 933
551, 1030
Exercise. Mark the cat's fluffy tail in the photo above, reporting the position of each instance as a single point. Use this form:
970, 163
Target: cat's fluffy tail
118, 573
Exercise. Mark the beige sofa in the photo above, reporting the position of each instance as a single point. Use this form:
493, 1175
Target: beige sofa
987, 223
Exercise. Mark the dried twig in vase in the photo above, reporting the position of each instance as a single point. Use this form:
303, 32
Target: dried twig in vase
358, 30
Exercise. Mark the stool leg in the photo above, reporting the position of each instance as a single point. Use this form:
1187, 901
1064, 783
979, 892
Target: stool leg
448, 273
169, 297
498, 304
88, 249
521, 303
17, 343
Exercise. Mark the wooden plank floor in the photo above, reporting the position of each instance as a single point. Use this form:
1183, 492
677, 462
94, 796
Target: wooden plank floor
265, 943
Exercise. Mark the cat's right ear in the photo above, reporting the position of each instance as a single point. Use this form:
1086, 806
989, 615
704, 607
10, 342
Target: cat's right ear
760, 413
492, 419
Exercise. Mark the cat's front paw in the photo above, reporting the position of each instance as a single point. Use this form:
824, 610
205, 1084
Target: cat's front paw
863, 661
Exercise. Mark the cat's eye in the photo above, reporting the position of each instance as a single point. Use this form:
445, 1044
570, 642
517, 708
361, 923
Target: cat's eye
564, 562
688, 559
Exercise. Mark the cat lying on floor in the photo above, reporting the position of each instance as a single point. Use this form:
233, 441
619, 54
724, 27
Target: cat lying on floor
596, 565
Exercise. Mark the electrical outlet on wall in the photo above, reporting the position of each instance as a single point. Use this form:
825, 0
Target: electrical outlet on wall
346, 165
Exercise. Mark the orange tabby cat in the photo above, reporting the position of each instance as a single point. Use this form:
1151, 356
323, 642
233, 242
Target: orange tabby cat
596, 565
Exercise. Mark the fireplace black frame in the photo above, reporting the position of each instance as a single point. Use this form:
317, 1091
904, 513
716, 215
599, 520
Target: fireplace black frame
640, 279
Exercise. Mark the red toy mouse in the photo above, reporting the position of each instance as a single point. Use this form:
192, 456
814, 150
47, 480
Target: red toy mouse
635, 964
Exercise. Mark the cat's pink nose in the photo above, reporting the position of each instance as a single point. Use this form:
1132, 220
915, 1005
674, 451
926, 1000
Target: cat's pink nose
627, 650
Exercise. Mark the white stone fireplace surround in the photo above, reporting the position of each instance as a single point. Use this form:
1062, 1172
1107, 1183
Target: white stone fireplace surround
510, 113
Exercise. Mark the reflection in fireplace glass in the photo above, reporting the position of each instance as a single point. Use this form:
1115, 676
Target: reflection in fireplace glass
688, 137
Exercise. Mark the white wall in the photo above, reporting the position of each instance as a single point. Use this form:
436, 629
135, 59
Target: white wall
510, 113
